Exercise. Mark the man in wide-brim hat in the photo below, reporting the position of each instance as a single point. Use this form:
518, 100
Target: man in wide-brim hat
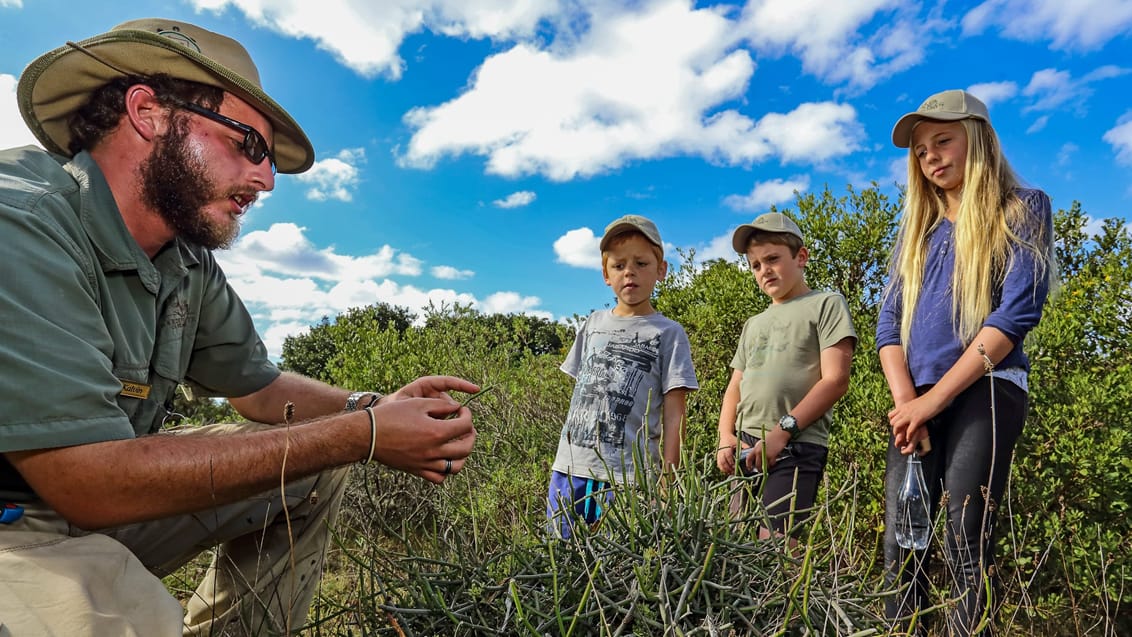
158, 137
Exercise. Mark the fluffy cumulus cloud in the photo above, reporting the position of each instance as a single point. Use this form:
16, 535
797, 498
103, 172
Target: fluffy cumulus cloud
830, 41
13, 131
767, 193
334, 178
365, 36
645, 83
1081, 25
516, 199
579, 248
1120, 137
288, 283
511, 302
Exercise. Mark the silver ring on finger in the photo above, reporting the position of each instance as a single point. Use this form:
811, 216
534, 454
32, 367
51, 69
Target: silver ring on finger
448, 467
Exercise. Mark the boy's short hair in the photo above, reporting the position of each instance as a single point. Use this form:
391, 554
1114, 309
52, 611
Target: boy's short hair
771, 227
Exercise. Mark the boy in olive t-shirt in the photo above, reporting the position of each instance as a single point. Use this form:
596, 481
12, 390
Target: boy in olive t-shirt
790, 367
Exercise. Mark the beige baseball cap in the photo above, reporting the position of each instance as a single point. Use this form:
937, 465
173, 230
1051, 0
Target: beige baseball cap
59, 82
768, 222
629, 223
948, 106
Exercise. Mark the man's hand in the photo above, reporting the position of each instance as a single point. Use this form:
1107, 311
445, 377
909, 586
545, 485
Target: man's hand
424, 431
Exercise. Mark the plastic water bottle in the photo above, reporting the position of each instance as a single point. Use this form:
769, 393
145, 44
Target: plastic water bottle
913, 522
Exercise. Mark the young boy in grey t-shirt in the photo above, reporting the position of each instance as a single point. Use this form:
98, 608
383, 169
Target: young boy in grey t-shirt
632, 367
790, 367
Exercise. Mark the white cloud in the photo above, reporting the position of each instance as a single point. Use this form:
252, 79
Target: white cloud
1038, 125
365, 36
827, 36
1081, 25
13, 131
334, 178
767, 193
284, 249
1120, 137
579, 248
897, 171
450, 273
512, 303
11, 4
718, 248
993, 92
638, 85
1066, 153
289, 284
516, 199
1057, 90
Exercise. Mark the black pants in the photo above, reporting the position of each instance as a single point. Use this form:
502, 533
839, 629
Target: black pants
969, 451
789, 489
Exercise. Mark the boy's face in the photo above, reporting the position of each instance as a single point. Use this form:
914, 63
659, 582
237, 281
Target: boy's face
632, 271
779, 275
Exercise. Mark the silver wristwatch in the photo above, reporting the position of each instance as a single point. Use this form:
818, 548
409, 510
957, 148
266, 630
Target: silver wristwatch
355, 399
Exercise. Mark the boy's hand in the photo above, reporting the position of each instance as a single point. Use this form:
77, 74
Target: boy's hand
725, 455
776, 440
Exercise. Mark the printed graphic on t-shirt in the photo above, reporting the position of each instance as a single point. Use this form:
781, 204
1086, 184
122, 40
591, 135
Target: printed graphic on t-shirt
609, 378
763, 344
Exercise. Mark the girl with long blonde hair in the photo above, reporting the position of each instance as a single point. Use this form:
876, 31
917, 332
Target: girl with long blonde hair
969, 276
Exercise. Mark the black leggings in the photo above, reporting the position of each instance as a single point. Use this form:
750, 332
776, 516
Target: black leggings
967, 453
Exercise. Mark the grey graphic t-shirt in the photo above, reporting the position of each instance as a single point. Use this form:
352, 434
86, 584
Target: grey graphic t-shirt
623, 366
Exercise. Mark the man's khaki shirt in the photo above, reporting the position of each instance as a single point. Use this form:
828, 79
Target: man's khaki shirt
94, 336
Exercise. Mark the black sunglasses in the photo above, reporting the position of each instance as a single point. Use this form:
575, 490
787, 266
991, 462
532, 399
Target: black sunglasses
255, 147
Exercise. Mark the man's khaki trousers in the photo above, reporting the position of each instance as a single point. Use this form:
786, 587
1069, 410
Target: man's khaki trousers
56, 579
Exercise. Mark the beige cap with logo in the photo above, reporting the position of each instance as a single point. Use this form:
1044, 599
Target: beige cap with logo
948, 106
59, 82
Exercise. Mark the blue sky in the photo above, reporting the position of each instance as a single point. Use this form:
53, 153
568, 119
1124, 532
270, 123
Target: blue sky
474, 150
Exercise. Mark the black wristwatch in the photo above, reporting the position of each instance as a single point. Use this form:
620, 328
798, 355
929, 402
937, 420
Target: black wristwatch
354, 401
789, 424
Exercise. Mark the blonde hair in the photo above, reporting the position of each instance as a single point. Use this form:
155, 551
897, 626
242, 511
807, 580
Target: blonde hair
987, 222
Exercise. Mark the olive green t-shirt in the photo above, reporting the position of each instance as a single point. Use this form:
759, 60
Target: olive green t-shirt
779, 354
94, 336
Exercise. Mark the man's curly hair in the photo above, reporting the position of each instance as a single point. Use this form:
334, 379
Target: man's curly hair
104, 109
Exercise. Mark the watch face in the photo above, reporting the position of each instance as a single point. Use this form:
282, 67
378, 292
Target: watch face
789, 424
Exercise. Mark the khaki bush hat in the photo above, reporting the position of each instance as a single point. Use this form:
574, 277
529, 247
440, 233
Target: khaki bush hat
768, 222
57, 83
948, 106
629, 223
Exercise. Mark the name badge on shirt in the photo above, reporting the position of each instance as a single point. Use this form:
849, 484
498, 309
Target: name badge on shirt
134, 390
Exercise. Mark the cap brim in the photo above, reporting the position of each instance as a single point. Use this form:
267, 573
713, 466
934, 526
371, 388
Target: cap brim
902, 132
59, 82
741, 237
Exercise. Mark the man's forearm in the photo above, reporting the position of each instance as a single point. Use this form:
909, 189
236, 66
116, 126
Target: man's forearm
310, 399
124, 481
